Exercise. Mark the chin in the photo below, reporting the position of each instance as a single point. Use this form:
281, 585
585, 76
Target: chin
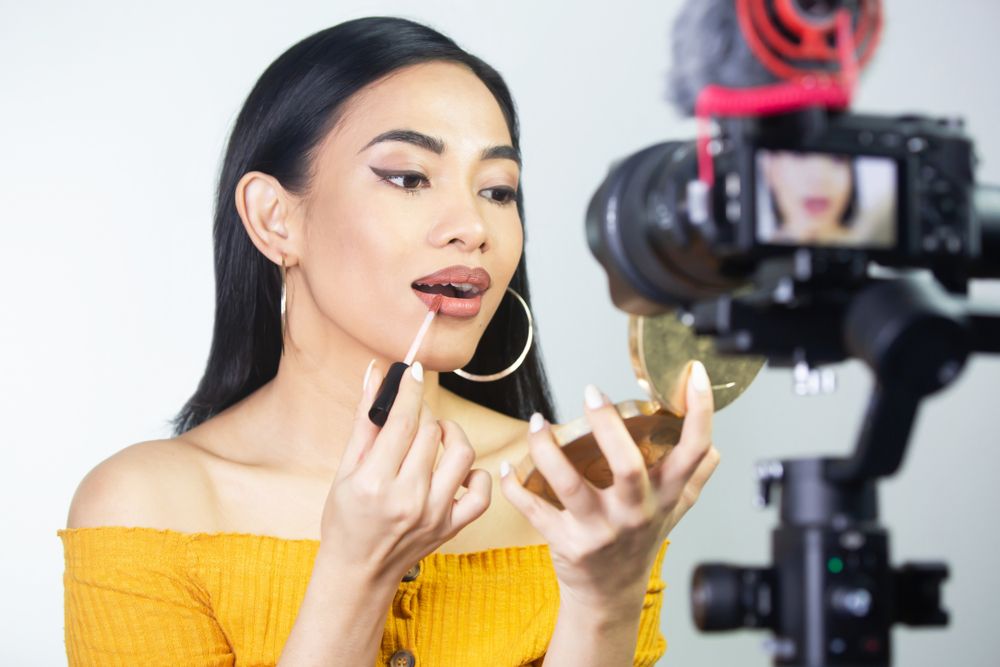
445, 363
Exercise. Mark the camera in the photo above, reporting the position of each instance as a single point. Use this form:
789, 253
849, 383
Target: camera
836, 190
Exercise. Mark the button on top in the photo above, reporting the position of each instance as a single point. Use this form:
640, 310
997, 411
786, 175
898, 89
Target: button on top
402, 659
412, 573
891, 139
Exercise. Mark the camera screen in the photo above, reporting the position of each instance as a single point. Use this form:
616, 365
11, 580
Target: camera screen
826, 199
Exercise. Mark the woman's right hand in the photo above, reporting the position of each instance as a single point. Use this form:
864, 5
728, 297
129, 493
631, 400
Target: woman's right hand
388, 506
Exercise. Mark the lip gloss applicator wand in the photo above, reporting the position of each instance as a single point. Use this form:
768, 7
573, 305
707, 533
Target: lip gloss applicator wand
386, 396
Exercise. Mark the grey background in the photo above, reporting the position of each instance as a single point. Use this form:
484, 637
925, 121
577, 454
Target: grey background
112, 125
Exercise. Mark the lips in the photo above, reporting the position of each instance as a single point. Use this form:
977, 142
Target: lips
461, 286
816, 205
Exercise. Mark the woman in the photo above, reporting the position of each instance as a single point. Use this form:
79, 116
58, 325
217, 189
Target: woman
280, 524
813, 196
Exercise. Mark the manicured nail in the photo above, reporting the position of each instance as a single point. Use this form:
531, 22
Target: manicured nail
504, 468
417, 370
368, 374
699, 378
537, 422
592, 396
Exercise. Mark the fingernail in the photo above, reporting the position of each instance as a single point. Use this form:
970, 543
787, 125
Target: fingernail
537, 422
592, 396
368, 374
417, 370
504, 468
699, 378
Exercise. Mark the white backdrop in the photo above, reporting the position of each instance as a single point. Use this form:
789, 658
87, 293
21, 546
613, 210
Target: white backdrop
113, 118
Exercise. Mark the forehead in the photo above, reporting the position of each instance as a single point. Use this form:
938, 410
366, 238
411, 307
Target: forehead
441, 99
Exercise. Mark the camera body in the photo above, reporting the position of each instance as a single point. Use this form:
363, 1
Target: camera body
920, 169
831, 190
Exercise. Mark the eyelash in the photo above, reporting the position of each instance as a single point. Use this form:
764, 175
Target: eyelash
386, 176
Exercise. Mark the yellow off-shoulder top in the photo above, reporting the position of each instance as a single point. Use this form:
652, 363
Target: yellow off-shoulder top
145, 596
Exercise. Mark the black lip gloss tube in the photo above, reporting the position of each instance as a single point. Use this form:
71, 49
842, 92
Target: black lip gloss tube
386, 396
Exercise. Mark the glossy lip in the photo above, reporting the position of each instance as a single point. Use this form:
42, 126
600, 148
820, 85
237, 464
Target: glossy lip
458, 273
453, 307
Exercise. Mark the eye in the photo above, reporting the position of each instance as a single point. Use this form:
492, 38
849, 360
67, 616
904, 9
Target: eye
409, 181
501, 196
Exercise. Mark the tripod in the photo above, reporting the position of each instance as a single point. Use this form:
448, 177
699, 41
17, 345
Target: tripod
831, 596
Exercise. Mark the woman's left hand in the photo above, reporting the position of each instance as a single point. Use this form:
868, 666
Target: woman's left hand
604, 542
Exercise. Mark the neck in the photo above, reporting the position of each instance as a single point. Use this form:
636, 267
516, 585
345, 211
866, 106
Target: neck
302, 419
309, 407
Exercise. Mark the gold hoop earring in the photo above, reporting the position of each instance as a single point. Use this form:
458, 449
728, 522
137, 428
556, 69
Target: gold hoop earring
284, 318
517, 363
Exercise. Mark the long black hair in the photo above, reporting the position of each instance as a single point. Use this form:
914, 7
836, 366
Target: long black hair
296, 102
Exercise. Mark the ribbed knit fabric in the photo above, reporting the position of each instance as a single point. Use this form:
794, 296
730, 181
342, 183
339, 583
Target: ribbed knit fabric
145, 596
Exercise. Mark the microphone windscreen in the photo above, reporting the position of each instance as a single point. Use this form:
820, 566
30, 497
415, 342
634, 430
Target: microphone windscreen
709, 48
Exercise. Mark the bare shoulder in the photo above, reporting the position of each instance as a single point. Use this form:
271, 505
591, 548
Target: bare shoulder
155, 483
500, 436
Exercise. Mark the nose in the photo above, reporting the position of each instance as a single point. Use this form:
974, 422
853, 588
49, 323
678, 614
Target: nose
817, 168
462, 225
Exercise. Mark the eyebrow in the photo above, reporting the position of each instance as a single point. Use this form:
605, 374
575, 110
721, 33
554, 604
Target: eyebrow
436, 145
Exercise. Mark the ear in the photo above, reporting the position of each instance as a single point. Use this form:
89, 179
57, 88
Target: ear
266, 208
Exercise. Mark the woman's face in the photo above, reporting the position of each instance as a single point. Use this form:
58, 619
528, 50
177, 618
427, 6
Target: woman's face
385, 211
812, 190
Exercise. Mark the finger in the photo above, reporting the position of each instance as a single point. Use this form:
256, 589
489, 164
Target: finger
692, 490
571, 488
401, 426
418, 465
696, 437
473, 503
363, 431
454, 466
539, 513
628, 468
700, 477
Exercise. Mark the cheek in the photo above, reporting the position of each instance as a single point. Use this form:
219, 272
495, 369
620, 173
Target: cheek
787, 186
355, 266
343, 249
841, 185
515, 243
510, 247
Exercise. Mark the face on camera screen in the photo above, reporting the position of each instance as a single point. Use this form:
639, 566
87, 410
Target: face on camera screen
825, 199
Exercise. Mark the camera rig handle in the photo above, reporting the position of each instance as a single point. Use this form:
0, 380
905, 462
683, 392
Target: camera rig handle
913, 335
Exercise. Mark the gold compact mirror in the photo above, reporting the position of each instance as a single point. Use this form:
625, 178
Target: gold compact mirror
662, 349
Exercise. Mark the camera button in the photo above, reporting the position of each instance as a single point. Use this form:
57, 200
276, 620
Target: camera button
891, 140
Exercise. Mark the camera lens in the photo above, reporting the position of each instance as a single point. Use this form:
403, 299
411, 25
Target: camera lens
715, 598
726, 597
638, 229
